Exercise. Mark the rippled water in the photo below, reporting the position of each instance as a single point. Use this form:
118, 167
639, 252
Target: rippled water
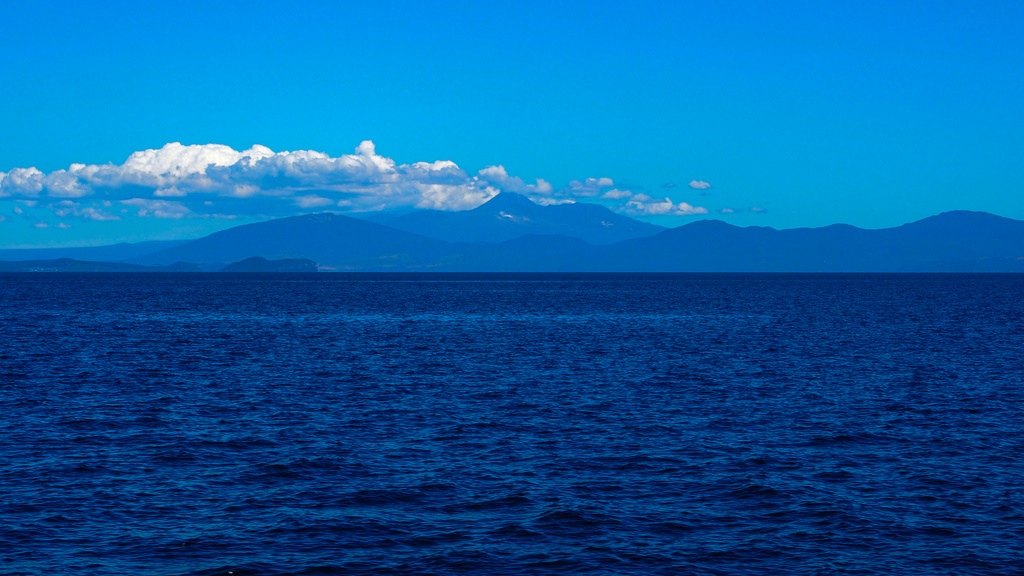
511, 424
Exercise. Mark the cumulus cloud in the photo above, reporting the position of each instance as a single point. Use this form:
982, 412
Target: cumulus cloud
699, 185
728, 211
498, 178
40, 225
214, 180
22, 182
193, 174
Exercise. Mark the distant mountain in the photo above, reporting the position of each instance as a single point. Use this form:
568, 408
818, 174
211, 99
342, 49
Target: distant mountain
950, 242
962, 240
112, 253
508, 216
330, 240
258, 264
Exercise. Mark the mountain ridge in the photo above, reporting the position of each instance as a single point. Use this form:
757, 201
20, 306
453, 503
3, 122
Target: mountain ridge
954, 241
507, 216
339, 241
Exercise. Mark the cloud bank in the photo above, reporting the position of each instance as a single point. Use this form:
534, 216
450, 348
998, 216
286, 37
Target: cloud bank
213, 180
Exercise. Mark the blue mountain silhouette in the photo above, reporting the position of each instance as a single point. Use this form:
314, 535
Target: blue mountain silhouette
508, 216
958, 241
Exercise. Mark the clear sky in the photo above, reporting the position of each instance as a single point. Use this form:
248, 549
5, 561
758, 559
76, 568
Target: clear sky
758, 113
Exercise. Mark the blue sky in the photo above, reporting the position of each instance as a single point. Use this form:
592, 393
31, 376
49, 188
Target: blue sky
868, 113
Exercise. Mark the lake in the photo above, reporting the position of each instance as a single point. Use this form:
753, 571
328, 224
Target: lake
214, 424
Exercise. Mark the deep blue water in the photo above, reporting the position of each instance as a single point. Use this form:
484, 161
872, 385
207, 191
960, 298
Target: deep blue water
511, 424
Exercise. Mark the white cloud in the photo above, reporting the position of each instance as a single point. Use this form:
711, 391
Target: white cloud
66, 208
214, 180
728, 211
699, 185
641, 204
63, 226
65, 184
40, 225
90, 213
553, 201
363, 179
684, 209
586, 188
448, 197
22, 182
312, 201
172, 191
498, 178
157, 208
616, 194
175, 163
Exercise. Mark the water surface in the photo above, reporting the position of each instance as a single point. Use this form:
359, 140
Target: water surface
511, 424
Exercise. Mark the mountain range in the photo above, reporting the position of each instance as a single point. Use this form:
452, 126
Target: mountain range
509, 216
510, 233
